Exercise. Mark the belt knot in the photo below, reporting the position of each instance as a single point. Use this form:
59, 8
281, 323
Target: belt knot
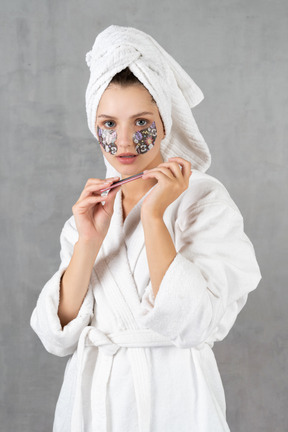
102, 341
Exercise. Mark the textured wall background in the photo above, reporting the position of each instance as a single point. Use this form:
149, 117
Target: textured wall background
237, 53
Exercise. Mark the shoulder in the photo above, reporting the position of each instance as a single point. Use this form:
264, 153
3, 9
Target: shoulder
205, 190
206, 197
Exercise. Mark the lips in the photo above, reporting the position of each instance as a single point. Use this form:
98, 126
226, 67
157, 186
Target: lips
127, 155
127, 158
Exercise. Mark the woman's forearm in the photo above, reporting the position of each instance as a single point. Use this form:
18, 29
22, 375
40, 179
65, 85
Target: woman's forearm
75, 280
160, 249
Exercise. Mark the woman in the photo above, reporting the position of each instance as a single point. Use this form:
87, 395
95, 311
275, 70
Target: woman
155, 271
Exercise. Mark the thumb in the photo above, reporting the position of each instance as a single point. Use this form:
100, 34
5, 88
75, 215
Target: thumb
110, 199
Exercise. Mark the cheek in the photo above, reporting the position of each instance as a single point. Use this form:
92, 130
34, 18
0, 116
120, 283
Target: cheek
107, 140
145, 139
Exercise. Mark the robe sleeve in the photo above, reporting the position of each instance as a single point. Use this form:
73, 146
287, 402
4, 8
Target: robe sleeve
208, 282
45, 321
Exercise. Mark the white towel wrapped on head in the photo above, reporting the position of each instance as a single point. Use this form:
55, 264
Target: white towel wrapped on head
175, 93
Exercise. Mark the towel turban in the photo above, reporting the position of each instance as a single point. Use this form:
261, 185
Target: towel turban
175, 93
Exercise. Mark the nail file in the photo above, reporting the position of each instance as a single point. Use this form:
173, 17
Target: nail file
121, 182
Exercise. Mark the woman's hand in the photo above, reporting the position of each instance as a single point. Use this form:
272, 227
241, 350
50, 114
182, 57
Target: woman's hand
91, 216
173, 179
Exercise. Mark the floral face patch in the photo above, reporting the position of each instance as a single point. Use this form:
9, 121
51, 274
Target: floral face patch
107, 139
145, 139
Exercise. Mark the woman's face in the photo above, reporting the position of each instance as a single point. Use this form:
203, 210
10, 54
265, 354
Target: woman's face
129, 129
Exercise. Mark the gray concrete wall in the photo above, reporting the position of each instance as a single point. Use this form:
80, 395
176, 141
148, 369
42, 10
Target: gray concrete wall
237, 53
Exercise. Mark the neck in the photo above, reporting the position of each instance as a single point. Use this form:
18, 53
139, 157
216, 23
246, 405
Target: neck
133, 191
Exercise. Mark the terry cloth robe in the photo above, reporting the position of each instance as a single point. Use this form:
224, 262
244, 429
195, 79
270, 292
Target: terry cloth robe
139, 363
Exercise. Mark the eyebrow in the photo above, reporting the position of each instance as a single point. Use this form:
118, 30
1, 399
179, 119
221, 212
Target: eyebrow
134, 116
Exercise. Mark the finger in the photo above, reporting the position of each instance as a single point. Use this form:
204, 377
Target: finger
111, 193
161, 169
174, 167
85, 204
95, 181
91, 188
186, 166
158, 175
110, 198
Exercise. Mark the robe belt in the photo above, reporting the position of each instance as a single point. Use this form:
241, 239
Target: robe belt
108, 345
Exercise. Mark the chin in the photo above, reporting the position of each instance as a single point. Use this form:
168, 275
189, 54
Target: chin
129, 171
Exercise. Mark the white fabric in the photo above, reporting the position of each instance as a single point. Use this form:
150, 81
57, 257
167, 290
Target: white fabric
172, 88
108, 346
116, 380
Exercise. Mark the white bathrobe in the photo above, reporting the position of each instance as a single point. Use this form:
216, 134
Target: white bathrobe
142, 364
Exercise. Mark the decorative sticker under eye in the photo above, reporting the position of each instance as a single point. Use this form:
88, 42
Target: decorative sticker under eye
107, 139
145, 139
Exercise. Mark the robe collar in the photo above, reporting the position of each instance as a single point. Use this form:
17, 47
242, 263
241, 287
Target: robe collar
114, 251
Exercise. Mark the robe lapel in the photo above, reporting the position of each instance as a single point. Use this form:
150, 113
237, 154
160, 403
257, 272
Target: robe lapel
112, 263
133, 236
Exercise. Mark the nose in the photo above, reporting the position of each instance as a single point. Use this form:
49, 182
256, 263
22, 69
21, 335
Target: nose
124, 137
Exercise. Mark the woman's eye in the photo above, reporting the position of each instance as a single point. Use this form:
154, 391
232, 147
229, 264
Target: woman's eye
109, 124
141, 122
